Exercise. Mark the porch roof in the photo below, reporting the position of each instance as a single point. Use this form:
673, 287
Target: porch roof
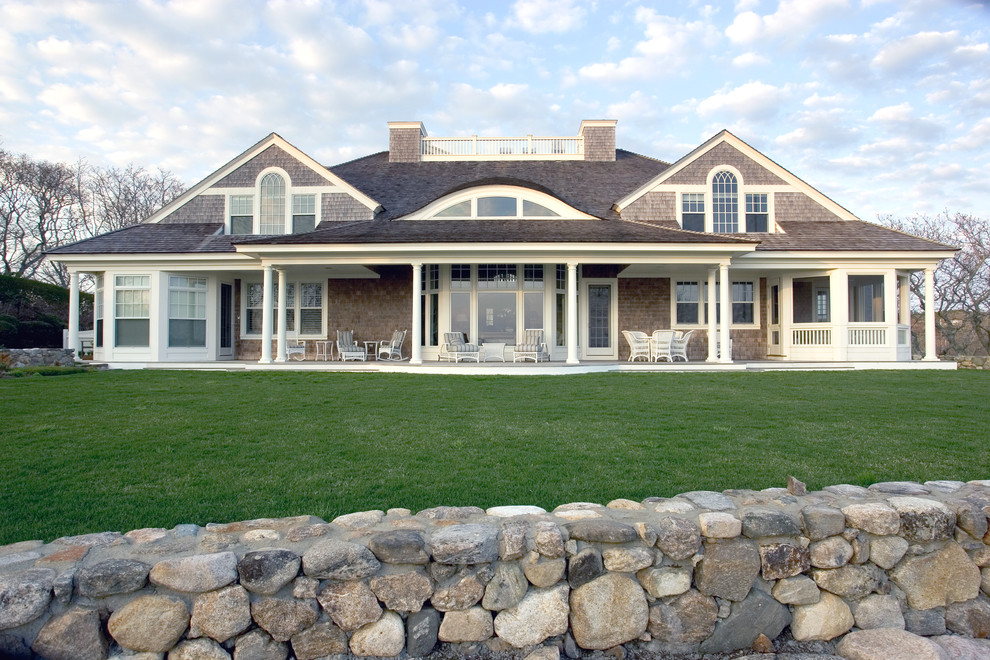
845, 235
157, 238
497, 231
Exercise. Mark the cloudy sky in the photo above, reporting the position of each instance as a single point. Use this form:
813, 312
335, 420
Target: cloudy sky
883, 105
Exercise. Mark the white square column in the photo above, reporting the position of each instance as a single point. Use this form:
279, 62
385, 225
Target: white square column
417, 314
572, 314
280, 344
266, 316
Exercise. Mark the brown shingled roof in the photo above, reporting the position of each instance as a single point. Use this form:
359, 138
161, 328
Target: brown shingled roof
851, 235
157, 238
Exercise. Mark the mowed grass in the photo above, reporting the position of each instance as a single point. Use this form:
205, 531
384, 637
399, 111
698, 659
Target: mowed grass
122, 450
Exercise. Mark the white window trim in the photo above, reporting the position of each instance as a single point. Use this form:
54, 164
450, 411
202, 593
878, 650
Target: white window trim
563, 211
290, 190
703, 302
297, 299
742, 189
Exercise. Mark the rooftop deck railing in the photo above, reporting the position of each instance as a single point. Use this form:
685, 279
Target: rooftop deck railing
507, 148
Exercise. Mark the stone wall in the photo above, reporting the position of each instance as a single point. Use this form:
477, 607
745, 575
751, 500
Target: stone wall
897, 567
15, 358
973, 361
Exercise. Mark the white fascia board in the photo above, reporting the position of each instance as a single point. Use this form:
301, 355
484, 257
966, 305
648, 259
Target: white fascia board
251, 152
831, 259
798, 184
498, 252
203, 261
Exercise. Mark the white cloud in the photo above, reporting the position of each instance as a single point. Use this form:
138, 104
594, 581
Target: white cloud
905, 54
753, 101
750, 59
894, 113
792, 20
540, 16
669, 43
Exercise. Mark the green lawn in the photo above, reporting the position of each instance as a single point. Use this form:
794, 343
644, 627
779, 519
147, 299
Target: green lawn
127, 449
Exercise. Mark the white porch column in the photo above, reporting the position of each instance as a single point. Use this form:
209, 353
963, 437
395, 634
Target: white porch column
572, 314
712, 326
904, 296
890, 310
74, 313
726, 311
280, 345
417, 315
266, 317
931, 354
838, 284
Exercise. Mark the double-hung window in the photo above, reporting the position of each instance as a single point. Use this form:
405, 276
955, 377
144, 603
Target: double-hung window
242, 214
688, 300
757, 214
693, 211
691, 303
743, 302
303, 213
132, 310
186, 311
303, 301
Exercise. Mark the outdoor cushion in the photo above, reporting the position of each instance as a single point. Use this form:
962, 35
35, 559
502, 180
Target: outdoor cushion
463, 348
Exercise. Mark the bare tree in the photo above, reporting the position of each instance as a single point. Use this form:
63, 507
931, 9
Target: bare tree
121, 197
38, 204
962, 284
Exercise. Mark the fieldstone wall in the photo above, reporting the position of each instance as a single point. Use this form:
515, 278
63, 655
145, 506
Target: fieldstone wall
894, 571
973, 361
15, 358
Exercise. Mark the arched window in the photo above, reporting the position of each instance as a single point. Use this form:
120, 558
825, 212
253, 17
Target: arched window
725, 203
272, 204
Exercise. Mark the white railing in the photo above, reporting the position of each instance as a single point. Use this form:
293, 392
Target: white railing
903, 335
867, 336
817, 336
517, 148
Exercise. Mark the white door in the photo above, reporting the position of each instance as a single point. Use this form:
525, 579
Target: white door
773, 317
599, 322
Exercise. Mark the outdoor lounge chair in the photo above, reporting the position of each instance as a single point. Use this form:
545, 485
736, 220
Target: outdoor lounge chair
660, 345
347, 348
295, 349
531, 347
639, 345
392, 349
456, 348
678, 346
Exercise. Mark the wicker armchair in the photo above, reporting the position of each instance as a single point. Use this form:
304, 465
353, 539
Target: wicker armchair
347, 348
392, 349
639, 345
531, 347
456, 348
660, 345
678, 346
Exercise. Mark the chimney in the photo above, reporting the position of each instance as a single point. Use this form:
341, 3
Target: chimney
404, 141
599, 138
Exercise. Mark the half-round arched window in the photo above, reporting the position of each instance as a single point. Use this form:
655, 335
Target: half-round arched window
725, 202
272, 204
496, 206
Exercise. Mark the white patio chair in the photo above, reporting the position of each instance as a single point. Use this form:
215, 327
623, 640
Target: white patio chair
456, 348
678, 346
347, 348
392, 349
639, 345
295, 349
532, 347
660, 345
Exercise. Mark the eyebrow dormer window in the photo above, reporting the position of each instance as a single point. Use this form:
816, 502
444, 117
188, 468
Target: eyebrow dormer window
496, 207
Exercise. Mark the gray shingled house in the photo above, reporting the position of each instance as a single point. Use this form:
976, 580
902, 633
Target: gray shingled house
273, 253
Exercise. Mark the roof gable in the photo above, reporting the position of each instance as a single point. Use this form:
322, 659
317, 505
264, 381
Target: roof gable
725, 148
233, 173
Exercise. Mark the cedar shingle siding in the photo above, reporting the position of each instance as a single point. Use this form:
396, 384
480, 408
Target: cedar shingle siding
659, 207
798, 206
724, 154
246, 176
599, 143
205, 208
341, 206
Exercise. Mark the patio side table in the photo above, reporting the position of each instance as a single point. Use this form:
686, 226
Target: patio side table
494, 350
324, 349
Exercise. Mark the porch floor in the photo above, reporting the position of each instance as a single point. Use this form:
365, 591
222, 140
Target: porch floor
530, 368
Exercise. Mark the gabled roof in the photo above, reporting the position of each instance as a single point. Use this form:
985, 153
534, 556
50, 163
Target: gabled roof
725, 136
266, 142
589, 186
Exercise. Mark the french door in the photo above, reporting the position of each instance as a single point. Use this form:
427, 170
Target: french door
599, 322
225, 345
